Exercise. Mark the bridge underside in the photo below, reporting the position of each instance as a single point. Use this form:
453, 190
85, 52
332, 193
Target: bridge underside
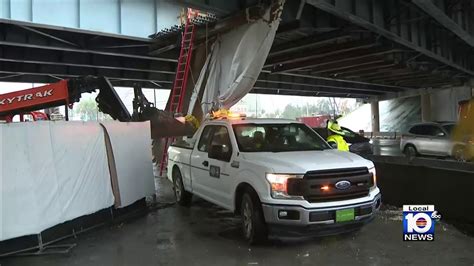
342, 48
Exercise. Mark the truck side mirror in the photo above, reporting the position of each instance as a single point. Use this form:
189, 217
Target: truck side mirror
219, 152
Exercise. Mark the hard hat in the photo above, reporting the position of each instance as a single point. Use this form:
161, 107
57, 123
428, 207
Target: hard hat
335, 127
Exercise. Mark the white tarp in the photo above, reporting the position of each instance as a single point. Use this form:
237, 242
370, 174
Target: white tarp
131, 144
235, 61
51, 172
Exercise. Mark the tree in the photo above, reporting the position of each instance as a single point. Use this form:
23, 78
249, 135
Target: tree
291, 112
87, 110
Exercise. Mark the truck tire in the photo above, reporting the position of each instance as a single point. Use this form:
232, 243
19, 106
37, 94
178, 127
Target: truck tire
254, 227
182, 196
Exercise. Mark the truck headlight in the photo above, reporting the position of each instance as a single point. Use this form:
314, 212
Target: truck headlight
374, 176
279, 185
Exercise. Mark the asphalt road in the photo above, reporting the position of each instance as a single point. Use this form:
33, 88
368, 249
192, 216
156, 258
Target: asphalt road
388, 147
204, 234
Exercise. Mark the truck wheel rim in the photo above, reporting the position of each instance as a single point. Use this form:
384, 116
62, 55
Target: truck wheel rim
177, 189
247, 219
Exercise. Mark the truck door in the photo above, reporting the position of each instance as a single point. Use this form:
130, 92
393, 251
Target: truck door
221, 172
200, 163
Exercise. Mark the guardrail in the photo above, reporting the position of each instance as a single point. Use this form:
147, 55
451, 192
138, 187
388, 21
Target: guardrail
383, 135
449, 185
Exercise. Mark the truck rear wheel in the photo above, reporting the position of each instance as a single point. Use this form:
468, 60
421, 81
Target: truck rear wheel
183, 197
253, 222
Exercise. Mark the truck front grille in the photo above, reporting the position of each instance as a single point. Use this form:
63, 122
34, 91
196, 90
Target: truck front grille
320, 186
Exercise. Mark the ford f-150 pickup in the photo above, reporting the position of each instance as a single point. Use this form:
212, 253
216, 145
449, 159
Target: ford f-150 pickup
280, 176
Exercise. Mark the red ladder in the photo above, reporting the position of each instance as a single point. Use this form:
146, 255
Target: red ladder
181, 78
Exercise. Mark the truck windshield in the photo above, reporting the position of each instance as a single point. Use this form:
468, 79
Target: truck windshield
277, 138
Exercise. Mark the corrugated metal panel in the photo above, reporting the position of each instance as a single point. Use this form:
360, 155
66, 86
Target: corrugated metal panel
138, 18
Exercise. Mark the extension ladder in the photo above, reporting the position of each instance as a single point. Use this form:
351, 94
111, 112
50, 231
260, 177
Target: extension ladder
179, 86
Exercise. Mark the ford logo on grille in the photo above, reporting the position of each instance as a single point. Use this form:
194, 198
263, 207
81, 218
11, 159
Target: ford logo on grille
344, 184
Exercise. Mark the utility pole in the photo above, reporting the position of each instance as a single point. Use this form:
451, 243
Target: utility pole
256, 105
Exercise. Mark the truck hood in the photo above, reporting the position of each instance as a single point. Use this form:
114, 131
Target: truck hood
300, 162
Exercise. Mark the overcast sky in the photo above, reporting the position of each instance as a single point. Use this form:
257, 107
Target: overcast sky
268, 102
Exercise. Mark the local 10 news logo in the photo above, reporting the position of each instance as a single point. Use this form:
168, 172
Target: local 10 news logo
419, 222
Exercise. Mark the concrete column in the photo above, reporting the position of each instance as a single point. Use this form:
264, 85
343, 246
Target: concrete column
426, 107
374, 107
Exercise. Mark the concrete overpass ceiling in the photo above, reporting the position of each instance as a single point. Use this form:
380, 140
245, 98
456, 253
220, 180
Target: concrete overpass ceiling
343, 48
368, 48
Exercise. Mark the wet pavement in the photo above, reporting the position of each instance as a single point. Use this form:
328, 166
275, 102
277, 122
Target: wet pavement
387, 147
204, 234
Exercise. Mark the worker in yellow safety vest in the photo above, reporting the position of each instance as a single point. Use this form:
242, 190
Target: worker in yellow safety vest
336, 139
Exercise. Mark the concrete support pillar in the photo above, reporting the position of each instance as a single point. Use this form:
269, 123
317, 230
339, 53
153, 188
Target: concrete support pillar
426, 107
374, 107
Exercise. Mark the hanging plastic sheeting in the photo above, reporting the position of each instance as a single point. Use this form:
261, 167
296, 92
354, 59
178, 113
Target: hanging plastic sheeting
51, 172
131, 148
235, 61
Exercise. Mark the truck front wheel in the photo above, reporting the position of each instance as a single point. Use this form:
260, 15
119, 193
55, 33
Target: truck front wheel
253, 222
182, 196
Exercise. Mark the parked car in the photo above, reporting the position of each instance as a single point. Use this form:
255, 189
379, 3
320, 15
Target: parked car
432, 139
280, 176
357, 143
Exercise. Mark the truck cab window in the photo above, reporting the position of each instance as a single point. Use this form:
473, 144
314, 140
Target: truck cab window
205, 139
277, 138
221, 138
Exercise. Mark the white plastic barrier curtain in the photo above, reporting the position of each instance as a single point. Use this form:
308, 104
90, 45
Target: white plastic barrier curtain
235, 61
51, 172
131, 145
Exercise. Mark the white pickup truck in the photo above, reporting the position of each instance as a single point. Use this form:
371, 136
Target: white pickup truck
279, 175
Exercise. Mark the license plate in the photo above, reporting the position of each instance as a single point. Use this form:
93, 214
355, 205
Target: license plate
344, 215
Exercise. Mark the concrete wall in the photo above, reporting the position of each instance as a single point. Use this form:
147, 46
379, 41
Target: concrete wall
447, 185
138, 18
444, 103
395, 115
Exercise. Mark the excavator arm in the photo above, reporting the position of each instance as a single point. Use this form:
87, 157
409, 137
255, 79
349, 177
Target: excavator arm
67, 92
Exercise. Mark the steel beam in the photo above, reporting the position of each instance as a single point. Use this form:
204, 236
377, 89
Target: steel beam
347, 65
85, 51
309, 42
326, 51
303, 80
401, 78
400, 34
309, 93
46, 35
48, 77
365, 69
342, 82
72, 72
437, 14
85, 66
343, 57
320, 88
